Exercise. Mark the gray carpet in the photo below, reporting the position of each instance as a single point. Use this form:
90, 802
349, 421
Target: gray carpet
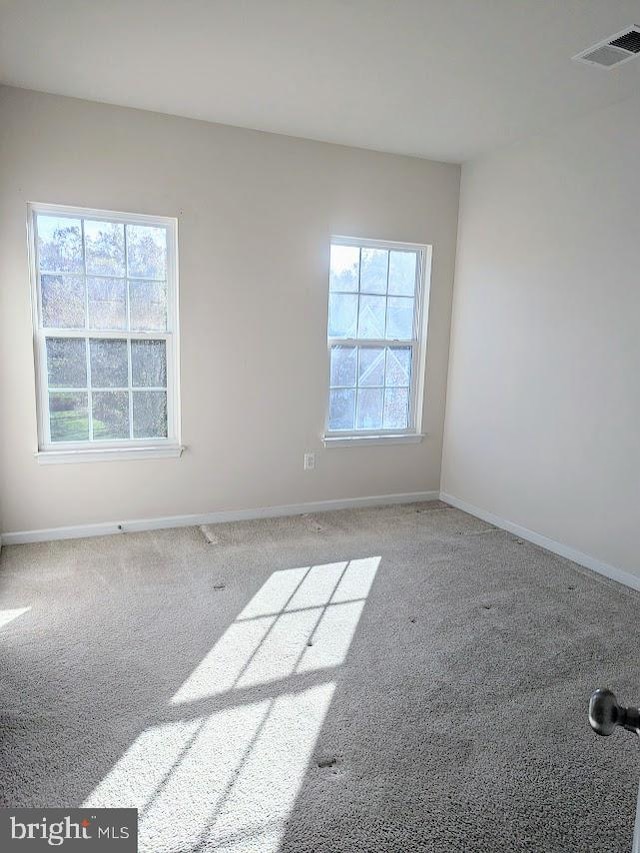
434, 701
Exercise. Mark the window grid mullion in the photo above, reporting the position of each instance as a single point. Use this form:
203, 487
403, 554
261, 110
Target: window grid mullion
392, 343
42, 367
87, 348
358, 317
129, 363
386, 291
411, 413
72, 274
333, 388
386, 305
84, 276
384, 373
107, 334
337, 292
126, 273
130, 381
44, 379
68, 389
87, 342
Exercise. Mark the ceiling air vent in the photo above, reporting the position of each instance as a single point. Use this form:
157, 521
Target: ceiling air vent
613, 51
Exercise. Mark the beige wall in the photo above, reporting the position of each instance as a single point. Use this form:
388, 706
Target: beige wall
543, 403
255, 214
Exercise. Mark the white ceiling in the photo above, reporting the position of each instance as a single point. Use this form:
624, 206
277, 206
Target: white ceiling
447, 79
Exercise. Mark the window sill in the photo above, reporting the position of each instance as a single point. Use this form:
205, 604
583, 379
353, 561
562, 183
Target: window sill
94, 454
369, 440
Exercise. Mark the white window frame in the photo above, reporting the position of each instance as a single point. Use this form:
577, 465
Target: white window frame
413, 433
99, 450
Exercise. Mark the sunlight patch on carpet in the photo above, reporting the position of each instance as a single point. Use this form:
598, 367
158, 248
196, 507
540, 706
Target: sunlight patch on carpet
227, 777
7, 616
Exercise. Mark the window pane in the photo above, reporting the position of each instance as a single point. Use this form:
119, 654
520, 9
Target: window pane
399, 318
402, 273
148, 305
66, 363
343, 312
369, 413
371, 366
109, 364
343, 366
148, 363
398, 371
149, 414
344, 268
396, 408
107, 303
342, 409
373, 271
69, 416
104, 247
110, 414
59, 244
147, 251
62, 301
371, 317
380, 349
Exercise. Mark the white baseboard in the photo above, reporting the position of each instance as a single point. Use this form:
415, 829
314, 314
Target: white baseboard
81, 531
559, 548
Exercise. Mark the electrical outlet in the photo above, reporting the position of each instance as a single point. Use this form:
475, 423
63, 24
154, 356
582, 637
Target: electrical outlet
309, 461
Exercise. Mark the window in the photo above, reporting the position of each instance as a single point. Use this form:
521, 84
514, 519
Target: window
105, 322
378, 295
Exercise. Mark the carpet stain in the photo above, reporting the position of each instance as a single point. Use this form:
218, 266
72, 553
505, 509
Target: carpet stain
313, 524
210, 537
